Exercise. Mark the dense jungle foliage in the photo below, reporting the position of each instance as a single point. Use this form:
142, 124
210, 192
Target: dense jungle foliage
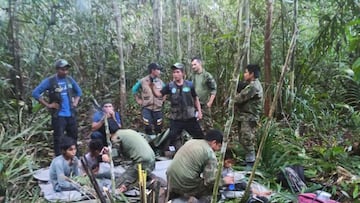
317, 117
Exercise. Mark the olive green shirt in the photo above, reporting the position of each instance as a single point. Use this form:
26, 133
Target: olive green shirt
193, 166
133, 146
205, 85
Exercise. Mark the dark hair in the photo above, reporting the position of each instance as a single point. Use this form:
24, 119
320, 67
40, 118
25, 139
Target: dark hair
198, 59
216, 135
107, 101
96, 144
153, 66
66, 142
229, 154
254, 68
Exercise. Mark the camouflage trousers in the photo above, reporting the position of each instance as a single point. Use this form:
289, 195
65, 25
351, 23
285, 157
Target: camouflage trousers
207, 121
130, 176
247, 138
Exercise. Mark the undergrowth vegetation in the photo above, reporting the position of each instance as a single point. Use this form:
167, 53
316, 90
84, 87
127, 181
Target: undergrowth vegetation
317, 118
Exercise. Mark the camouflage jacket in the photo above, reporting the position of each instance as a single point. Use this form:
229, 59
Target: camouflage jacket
249, 102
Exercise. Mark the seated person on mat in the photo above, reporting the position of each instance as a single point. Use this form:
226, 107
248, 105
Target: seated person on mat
97, 159
64, 166
98, 124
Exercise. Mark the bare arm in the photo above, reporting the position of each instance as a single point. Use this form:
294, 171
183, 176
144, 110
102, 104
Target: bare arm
198, 107
76, 101
211, 100
53, 105
155, 91
96, 125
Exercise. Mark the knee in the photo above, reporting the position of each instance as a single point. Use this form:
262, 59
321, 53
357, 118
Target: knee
96, 135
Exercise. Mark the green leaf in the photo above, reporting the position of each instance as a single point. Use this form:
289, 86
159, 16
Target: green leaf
356, 191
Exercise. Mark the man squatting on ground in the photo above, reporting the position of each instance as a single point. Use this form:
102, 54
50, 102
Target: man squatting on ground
205, 88
151, 105
64, 96
192, 172
134, 147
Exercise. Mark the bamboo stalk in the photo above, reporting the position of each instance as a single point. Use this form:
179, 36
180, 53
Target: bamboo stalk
92, 180
233, 87
108, 137
271, 113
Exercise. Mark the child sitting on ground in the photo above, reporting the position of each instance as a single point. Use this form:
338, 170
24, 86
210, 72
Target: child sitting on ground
98, 159
64, 166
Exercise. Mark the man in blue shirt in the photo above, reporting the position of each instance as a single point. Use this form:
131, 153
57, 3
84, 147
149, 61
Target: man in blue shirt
98, 124
64, 95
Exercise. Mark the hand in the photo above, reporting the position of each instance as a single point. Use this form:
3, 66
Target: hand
200, 116
53, 105
75, 104
104, 150
122, 189
228, 180
105, 158
209, 104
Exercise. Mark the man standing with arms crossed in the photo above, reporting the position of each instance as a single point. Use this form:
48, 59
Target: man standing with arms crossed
205, 88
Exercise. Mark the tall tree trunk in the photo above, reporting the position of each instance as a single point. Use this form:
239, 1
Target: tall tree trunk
189, 35
157, 28
292, 66
15, 72
178, 26
122, 83
13, 43
267, 55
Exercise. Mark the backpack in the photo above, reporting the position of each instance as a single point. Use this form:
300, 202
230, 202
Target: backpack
293, 177
313, 198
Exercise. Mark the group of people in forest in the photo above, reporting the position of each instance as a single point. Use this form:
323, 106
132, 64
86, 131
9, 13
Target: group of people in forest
193, 167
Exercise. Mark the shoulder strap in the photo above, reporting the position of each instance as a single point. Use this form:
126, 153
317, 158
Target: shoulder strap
53, 82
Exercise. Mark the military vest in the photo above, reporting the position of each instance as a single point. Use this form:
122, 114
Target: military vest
182, 102
55, 93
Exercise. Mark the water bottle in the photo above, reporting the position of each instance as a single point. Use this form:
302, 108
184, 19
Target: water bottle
231, 174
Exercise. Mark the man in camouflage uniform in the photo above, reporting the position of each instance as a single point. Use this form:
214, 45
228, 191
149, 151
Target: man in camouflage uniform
192, 172
134, 147
205, 88
249, 106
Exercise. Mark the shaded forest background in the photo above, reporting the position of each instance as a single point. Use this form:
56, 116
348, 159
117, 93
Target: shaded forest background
110, 44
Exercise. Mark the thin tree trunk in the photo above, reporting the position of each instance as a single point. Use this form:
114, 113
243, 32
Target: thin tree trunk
189, 35
178, 27
267, 56
243, 48
292, 66
122, 83
157, 28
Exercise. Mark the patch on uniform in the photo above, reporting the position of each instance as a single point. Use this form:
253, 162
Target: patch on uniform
173, 90
186, 89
